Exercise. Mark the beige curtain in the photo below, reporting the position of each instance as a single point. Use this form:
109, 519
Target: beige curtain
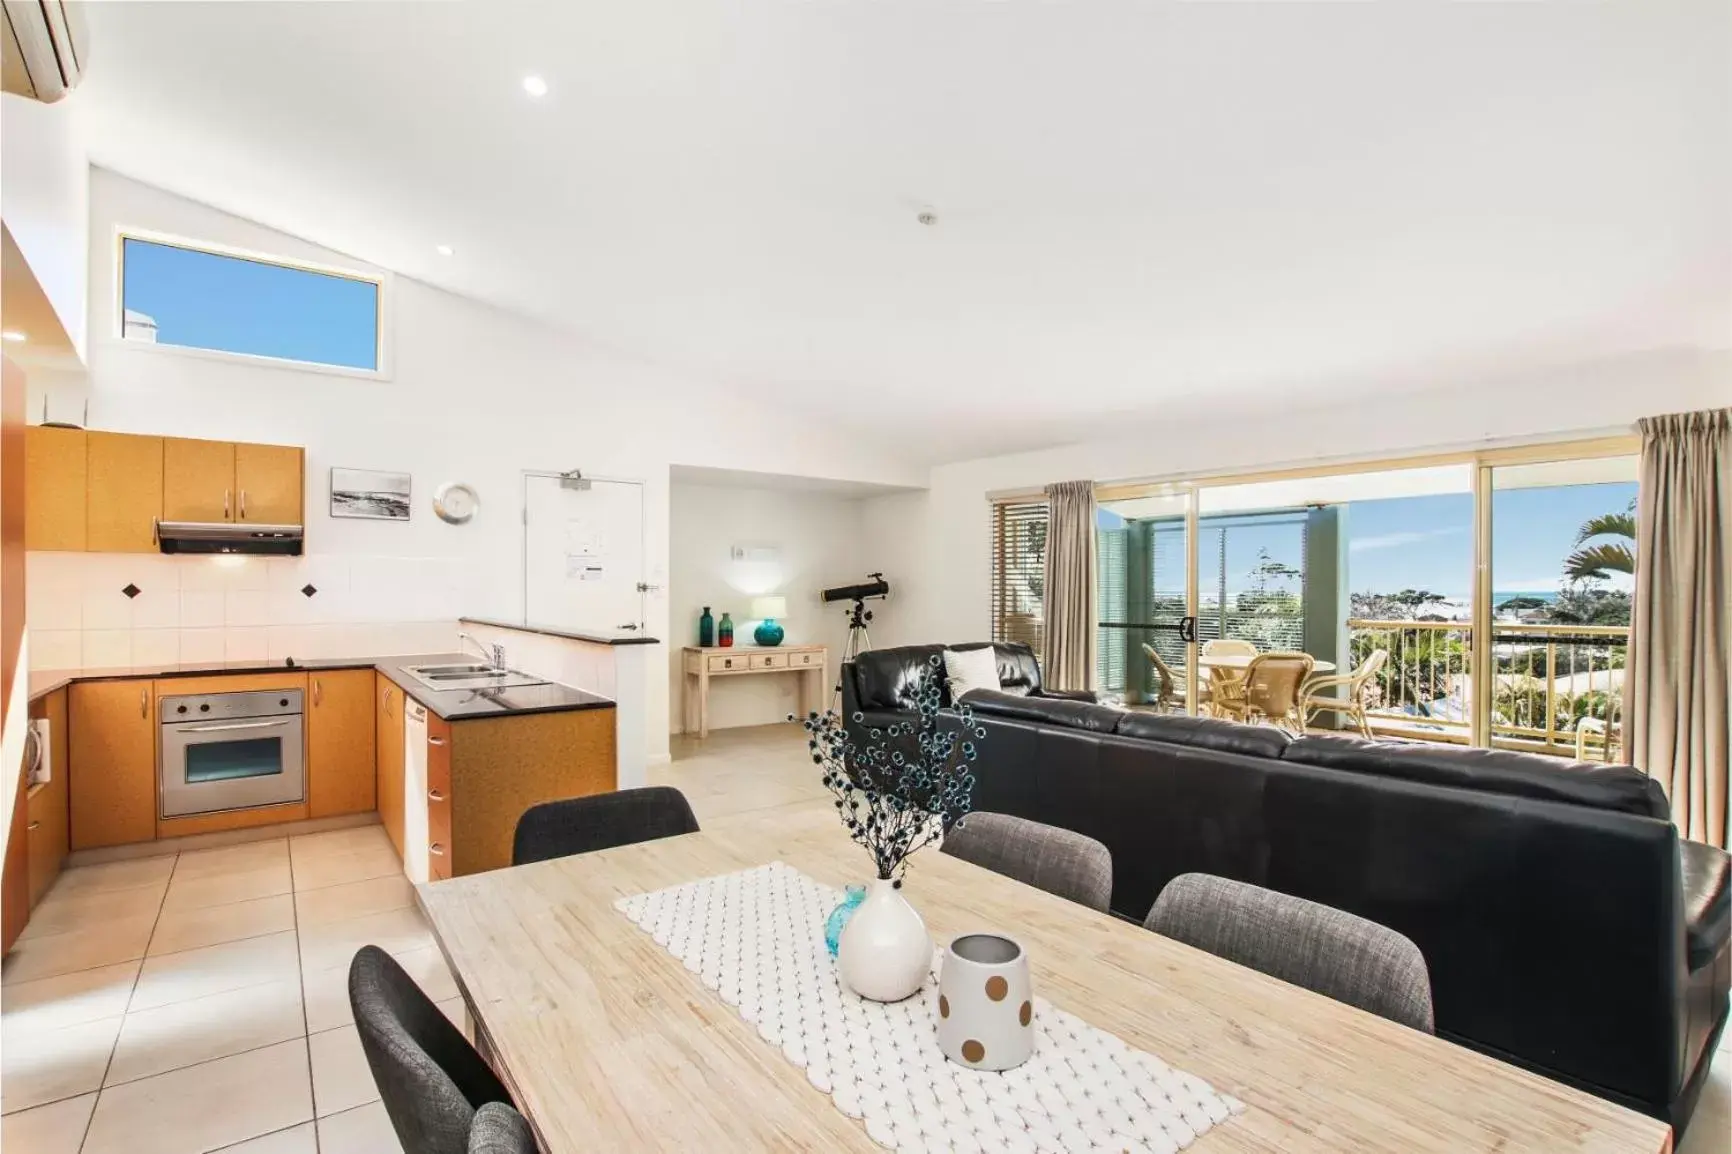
1677, 716
1069, 599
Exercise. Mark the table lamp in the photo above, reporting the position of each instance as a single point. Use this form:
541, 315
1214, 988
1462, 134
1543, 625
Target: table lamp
769, 608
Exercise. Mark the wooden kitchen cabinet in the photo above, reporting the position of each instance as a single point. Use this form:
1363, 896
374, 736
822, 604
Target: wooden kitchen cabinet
49, 827
439, 850
123, 493
111, 762
54, 485
388, 746
341, 758
198, 480
268, 484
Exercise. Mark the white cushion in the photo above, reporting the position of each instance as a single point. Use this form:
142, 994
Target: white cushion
970, 669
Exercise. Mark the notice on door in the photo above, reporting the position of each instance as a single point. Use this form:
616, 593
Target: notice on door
585, 567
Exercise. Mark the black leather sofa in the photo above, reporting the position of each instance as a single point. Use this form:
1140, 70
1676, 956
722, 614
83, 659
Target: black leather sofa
1566, 926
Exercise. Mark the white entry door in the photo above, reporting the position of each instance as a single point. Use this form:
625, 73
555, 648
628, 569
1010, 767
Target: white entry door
583, 553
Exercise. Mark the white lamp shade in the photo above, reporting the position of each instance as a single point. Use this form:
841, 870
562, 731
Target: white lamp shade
766, 608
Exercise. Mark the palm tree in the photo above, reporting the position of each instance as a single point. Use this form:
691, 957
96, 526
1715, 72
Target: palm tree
1597, 562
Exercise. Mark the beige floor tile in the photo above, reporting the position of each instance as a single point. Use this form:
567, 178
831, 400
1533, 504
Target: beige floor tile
169, 978
205, 1107
339, 840
457, 1014
327, 991
189, 929
342, 1079
232, 859
363, 1130
118, 875
394, 931
353, 900
63, 911
185, 1033
57, 1128
318, 869
103, 944
224, 889
302, 1139
69, 999
38, 1066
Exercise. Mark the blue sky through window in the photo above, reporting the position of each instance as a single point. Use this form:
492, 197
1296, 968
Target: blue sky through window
206, 300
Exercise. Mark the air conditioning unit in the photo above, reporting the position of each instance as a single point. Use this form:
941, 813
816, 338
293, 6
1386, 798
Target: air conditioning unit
44, 46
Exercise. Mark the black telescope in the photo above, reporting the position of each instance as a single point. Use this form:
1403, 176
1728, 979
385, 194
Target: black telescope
876, 587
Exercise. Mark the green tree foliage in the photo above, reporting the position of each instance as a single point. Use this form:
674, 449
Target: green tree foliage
1597, 562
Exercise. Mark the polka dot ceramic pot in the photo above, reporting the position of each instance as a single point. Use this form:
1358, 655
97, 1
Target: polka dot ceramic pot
985, 1006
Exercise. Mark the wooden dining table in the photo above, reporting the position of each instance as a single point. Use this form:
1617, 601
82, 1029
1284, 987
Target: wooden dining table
607, 1042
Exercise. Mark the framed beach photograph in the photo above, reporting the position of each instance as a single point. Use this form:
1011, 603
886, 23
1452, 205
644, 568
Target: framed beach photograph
369, 493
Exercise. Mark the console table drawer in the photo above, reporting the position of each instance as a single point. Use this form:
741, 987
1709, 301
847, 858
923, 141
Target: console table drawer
729, 664
804, 660
769, 661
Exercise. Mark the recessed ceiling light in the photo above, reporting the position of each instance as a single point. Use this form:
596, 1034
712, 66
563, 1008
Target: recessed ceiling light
14, 335
535, 86
443, 249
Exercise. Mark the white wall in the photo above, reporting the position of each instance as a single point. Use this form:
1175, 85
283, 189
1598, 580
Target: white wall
475, 394
817, 541
44, 200
939, 540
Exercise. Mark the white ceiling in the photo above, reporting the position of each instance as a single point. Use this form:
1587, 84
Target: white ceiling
1144, 207
710, 477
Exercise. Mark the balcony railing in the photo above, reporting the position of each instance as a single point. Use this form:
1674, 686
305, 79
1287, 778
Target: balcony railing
1555, 689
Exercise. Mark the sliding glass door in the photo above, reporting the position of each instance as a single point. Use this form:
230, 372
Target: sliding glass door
1145, 638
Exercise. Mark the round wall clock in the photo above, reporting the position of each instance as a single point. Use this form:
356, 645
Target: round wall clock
454, 503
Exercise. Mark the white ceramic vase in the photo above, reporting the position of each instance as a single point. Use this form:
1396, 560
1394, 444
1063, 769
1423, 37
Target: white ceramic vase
885, 953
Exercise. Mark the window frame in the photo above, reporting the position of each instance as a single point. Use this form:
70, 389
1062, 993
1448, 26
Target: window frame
380, 279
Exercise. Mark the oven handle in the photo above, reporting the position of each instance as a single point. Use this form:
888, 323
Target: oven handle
235, 725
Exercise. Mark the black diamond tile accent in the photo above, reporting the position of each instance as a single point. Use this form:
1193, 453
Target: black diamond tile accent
308, 590
132, 590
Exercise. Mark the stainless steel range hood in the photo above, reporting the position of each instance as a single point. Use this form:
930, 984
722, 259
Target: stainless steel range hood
227, 537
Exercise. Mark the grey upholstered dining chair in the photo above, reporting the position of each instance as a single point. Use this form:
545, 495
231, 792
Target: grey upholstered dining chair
431, 1079
1326, 950
602, 821
1044, 856
498, 1129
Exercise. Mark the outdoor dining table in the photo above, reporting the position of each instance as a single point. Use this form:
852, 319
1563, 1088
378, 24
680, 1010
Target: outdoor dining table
607, 1042
1237, 662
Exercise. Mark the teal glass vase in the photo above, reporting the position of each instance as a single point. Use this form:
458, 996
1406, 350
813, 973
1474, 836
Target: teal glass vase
706, 629
767, 633
839, 916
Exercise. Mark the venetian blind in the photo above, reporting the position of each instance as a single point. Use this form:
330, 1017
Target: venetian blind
1019, 571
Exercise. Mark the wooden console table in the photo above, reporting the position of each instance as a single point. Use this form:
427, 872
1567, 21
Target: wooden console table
700, 664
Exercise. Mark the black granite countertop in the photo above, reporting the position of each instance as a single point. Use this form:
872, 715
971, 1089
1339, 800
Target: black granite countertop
610, 638
466, 704
450, 704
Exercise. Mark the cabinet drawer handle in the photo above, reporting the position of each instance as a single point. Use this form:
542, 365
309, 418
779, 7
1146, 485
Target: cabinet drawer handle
435, 795
435, 741
225, 504
144, 703
34, 825
243, 504
317, 696
436, 850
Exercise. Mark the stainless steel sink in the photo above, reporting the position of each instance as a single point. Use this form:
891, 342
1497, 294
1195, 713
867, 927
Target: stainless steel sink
453, 677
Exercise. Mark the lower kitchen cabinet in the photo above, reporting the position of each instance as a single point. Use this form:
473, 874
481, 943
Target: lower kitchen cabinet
342, 769
49, 828
439, 850
388, 754
111, 762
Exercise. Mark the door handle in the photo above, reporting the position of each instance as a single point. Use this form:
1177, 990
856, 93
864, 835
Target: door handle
144, 703
435, 795
225, 504
1187, 629
243, 504
435, 740
34, 825
236, 725
317, 696
436, 850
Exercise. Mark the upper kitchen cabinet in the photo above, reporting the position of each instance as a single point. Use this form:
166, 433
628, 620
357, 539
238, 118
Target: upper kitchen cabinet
54, 472
268, 484
123, 492
198, 480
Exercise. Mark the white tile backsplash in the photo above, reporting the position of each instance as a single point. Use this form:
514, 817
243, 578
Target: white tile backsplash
204, 608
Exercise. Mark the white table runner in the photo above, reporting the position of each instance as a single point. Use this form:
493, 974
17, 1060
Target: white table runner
757, 938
